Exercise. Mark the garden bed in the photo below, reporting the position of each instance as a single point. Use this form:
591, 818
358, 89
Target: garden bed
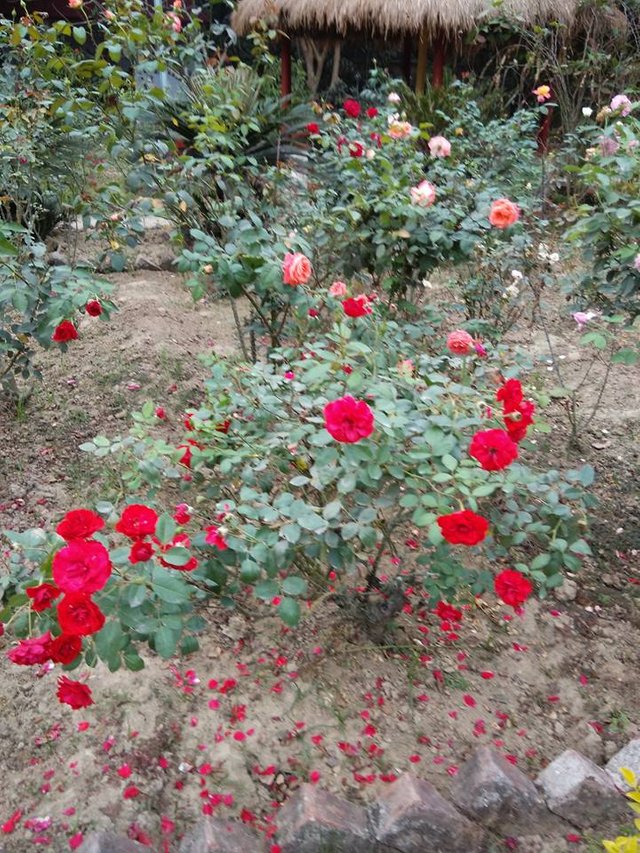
260, 704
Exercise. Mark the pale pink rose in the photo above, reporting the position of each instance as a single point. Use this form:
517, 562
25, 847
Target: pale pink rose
582, 318
338, 289
406, 367
400, 129
394, 98
460, 342
109, 15
622, 103
75, 4
439, 146
296, 269
176, 23
424, 194
636, 263
608, 146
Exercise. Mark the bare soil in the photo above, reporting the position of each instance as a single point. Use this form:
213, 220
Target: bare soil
320, 703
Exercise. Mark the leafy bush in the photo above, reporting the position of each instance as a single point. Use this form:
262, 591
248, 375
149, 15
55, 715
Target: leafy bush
628, 843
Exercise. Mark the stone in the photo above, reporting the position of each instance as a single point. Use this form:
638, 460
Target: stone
58, 259
156, 257
313, 820
412, 817
220, 836
109, 842
567, 591
580, 791
489, 789
629, 756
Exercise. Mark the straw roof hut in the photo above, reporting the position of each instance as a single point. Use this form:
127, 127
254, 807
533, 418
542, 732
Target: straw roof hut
392, 17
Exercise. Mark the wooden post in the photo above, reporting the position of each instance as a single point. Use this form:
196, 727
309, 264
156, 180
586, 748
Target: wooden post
421, 69
407, 59
439, 52
285, 66
543, 132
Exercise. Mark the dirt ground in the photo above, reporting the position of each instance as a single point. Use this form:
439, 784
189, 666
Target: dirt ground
233, 728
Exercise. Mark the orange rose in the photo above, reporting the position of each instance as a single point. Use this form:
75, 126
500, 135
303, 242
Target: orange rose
504, 213
296, 269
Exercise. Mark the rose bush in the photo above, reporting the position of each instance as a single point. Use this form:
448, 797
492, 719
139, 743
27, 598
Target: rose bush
305, 473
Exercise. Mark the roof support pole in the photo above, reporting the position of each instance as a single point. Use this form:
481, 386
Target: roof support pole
421, 69
439, 54
285, 66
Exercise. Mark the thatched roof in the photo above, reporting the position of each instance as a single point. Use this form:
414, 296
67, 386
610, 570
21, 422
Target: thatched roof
387, 17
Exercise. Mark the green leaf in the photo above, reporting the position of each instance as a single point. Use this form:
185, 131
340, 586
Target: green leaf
79, 34
294, 585
6, 247
289, 612
166, 528
178, 556
109, 640
291, 532
133, 661
165, 641
266, 590
580, 547
169, 586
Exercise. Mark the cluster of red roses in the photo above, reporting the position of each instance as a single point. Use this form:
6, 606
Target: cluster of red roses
517, 412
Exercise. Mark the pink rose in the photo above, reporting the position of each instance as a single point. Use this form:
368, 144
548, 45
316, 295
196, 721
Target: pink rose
619, 102
460, 342
338, 289
424, 194
296, 269
439, 146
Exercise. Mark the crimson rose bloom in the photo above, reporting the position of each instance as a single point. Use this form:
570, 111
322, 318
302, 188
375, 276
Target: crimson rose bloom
510, 395
215, 538
79, 524
64, 332
82, 566
372, 112
34, 650
348, 420
517, 421
73, 693
141, 552
181, 540
42, 595
79, 615
493, 449
448, 612
313, 127
65, 648
93, 308
357, 306
463, 528
512, 587
351, 108
137, 521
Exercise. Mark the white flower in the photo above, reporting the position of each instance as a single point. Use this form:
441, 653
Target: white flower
517, 275
394, 98
554, 257
511, 292
426, 283
587, 112
370, 154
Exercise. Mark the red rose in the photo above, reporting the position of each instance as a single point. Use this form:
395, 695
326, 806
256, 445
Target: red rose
356, 149
137, 521
141, 552
493, 449
29, 652
182, 515
79, 524
64, 332
377, 138
223, 426
372, 112
351, 108
357, 306
517, 421
82, 566
312, 127
93, 308
79, 615
65, 648
512, 587
186, 457
215, 538
348, 420
161, 413
73, 693
463, 528
510, 395
41, 596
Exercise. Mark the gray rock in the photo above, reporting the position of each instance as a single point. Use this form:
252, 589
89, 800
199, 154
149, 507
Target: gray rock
313, 820
629, 756
491, 790
58, 259
220, 836
155, 257
412, 817
567, 591
580, 791
109, 842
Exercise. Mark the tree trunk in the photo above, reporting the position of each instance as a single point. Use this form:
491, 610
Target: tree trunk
421, 69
